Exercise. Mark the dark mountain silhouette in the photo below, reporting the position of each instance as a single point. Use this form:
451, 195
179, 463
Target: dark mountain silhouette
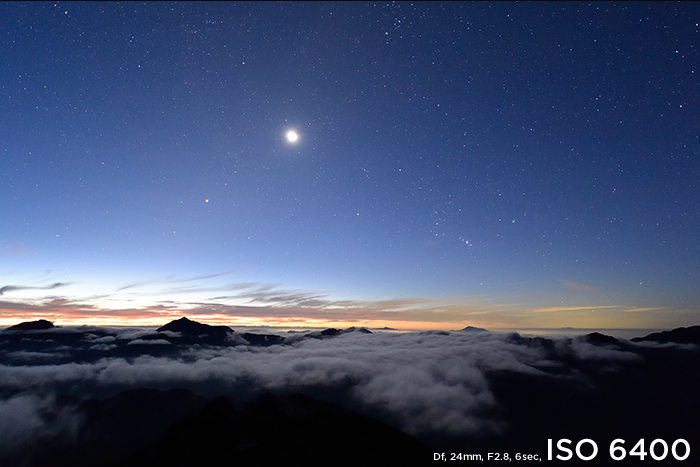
330, 332
333, 332
360, 330
599, 339
32, 326
262, 339
473, 329
690, 335
194, 329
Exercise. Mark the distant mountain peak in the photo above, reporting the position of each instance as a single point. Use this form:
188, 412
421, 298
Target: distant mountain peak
473, 329
189, 327
32, 325
360, 330
598, 338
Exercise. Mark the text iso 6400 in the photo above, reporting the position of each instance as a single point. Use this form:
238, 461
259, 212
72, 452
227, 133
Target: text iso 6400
587, 449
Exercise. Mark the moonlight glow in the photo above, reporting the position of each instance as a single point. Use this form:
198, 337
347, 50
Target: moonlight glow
292, 136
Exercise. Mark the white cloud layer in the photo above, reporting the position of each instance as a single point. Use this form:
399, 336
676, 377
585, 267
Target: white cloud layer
423, 382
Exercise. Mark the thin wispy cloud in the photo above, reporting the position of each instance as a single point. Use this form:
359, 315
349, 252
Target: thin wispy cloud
557, 309
203, 276
133, 286
15, 288
177, 279
643, 309
578, 286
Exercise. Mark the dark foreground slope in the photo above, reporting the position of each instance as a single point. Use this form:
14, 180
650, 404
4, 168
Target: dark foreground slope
275, 429
178, 428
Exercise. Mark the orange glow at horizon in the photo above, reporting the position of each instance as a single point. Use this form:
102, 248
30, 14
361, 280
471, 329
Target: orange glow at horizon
406, 314
70, 316
81, 320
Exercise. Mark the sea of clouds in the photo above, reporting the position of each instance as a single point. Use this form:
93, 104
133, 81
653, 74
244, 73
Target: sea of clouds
432, 382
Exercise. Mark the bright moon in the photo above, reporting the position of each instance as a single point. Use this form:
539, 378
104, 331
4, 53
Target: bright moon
292, 136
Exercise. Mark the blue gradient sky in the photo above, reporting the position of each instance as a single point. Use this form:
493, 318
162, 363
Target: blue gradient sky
489, 164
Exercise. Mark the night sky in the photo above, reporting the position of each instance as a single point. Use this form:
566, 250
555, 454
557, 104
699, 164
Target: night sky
500, 165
